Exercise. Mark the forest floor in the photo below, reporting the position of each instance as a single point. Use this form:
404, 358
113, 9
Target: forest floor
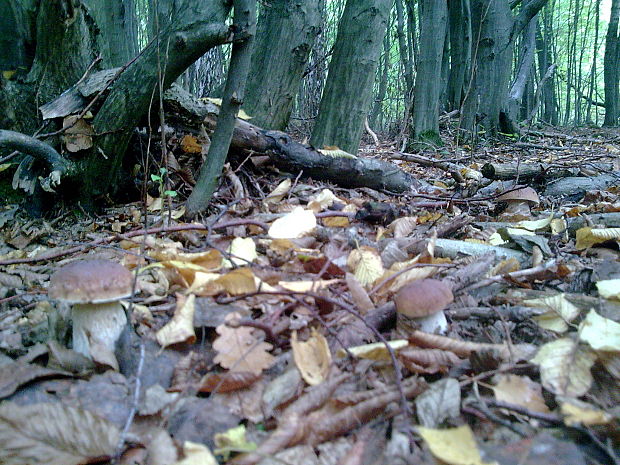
269, 332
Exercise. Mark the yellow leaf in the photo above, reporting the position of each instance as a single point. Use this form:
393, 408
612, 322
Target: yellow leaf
181, 327
312, 358
232, 440
279, 192
189, 144
366, 265
196, 454
375, 351
578, 413
454, 446
587, 237
558, 312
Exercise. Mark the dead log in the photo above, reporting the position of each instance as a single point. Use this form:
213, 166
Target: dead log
288, 155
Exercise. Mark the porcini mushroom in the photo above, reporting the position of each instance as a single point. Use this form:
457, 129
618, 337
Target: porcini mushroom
420, 304
95, 288
519, 200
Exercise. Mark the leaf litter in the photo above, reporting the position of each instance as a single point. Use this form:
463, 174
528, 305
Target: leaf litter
273, 323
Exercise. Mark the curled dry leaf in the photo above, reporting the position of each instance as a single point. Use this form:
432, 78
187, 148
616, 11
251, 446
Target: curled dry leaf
313, 358
279, 192
359, 294
464, 349
54, 434
181, 327
428, 360
227, 382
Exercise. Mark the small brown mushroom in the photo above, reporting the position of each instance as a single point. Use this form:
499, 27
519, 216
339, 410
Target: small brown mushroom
420, 304
95, 288
519, 200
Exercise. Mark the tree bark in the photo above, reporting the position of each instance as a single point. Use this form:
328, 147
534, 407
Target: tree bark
284, 37
194, 31
460, 50
428, 83
611, 71
348, 91
545, 61
495, 29
526, 60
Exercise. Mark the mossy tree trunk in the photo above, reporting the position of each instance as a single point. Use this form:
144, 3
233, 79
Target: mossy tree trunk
52, 44
348, 91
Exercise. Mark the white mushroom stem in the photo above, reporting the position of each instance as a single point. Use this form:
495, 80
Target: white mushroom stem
435, 323
103, 322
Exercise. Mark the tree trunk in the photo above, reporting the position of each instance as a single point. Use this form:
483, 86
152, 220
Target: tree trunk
403, 49
495, 29
284, 38
460, 51
526, 59
385, 68
240, 58
611, 70
66, 40
428, 83
545, 60
348, 91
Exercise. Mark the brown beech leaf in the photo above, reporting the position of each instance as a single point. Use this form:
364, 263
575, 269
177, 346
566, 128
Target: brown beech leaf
54, 434
13, 375
227, 382
239, 350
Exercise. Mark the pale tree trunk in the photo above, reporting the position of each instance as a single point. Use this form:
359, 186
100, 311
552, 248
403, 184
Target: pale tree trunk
494, 29
526, 60
348, 91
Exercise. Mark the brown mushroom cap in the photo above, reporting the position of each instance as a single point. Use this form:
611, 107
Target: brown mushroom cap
423, 297
91, 281
524, 194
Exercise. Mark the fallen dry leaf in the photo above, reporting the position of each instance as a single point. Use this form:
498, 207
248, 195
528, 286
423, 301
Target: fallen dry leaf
239, 350
312, 357
53, 434
181, 327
